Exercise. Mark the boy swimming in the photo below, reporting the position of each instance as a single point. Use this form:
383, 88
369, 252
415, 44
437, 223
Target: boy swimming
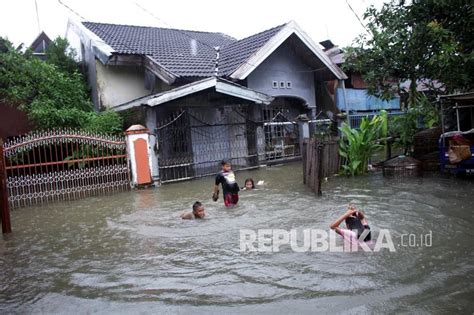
197, 213
230, 188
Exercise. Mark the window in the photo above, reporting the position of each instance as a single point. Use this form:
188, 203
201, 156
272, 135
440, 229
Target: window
288, 84
282, 84
275, 84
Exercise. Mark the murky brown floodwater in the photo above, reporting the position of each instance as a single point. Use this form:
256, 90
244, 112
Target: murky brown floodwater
130, 252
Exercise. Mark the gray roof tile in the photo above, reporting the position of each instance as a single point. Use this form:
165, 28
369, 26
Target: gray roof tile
184, 53
238, 52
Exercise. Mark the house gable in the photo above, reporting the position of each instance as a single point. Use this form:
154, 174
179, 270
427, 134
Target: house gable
40, 44
284, 73
291, 28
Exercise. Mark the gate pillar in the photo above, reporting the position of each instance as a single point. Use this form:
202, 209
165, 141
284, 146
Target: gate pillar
139, 155
151, 125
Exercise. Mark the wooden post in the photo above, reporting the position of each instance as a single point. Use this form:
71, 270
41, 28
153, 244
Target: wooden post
389, 150
5, 213
320, 170
305, 160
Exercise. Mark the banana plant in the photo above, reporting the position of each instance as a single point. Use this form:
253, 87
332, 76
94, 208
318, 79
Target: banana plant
357, 145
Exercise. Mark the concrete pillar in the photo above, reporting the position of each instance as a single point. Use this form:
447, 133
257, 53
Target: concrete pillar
151, 125
139, 155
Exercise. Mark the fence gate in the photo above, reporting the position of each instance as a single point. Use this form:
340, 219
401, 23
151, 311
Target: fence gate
58, 165
281, 136
193, 141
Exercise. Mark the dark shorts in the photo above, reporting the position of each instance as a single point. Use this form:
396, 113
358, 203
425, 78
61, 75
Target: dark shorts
231, 199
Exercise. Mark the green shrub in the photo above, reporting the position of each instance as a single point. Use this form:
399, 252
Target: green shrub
53, 96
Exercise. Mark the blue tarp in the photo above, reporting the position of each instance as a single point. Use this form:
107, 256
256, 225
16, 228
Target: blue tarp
358, 100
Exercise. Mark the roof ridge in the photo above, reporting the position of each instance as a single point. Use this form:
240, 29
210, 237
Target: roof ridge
162, 28
264, 31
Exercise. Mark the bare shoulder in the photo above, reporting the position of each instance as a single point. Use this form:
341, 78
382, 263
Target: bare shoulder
187, 216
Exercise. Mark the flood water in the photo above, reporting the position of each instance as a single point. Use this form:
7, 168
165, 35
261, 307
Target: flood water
131, 253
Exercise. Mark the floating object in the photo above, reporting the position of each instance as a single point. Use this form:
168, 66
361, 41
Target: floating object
260, 182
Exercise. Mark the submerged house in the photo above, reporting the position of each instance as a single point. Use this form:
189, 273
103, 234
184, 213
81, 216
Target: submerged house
206, 96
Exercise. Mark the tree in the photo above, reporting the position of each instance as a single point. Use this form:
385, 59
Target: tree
429, 40
426, 39
59, 53
53, 96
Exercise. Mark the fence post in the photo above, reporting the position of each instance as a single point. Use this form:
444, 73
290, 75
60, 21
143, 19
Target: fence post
305, 160
320, 166
303, 129
139, 155
5, 213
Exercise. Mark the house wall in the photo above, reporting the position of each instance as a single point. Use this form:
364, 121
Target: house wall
283, 66
357, 81
120, 84
359, 100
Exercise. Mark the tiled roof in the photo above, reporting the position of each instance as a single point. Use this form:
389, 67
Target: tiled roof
184, 53
236, 53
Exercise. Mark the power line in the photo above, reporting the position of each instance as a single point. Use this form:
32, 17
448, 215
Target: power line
357, 16
99, 27
67, 7
37, 17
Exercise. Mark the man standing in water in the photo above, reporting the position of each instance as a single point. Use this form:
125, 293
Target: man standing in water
230, 188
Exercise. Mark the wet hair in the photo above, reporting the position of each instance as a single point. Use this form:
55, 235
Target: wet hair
355, 223
360, 215
250, 180
224, 162
196, 206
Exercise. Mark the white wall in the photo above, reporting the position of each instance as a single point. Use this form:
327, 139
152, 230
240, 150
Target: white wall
119, 84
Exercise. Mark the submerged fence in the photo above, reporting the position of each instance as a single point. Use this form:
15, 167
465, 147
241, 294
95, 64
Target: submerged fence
320, 160
47, 166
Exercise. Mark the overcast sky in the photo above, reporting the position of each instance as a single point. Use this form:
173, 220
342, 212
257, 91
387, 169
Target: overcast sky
238, 18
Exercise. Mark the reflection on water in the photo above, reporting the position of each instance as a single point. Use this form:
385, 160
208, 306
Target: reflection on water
130, 252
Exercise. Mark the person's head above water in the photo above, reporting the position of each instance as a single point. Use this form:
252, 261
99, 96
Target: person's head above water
354, 222
249, 184
198, 210
226, 165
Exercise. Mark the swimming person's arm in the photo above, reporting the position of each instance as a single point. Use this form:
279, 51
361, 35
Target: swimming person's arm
335, 225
